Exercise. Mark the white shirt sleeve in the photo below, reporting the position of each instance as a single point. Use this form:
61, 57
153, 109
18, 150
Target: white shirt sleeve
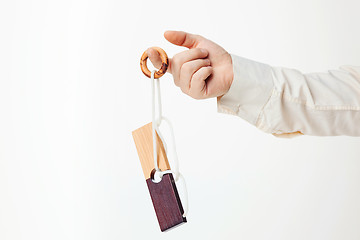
286, 102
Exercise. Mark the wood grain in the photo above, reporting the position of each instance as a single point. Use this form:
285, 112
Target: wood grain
166, 201
144, 145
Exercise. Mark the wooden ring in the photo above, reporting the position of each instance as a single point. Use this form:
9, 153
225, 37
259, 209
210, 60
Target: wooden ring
164, 63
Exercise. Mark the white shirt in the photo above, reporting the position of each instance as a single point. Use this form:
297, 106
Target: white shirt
286, 102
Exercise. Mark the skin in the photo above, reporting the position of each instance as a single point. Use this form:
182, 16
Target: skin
203, 71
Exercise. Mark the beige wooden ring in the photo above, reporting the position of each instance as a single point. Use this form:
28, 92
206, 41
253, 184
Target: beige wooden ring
164, 64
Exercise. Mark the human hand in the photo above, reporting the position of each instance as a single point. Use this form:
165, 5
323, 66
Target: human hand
203, 71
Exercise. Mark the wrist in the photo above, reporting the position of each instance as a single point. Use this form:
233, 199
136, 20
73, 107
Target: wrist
250, 89
228, 76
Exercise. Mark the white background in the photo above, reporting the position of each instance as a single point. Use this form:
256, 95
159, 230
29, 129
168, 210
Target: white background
71, 92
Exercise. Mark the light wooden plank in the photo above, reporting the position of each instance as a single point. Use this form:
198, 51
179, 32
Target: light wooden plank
144, 145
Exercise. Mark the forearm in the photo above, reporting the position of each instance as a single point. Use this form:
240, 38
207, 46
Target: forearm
282, 101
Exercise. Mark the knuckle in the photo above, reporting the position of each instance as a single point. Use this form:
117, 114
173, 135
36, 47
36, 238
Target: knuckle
184, 90
194, 94
175, 69
199, 36
197, 97
199, 51
204, 63
194, 78
208, 71
202, 51
176, 82
175, 61
186, 67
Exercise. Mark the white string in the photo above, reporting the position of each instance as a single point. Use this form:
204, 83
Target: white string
155, 129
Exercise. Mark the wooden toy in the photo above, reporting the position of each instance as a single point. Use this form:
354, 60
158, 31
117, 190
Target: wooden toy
164, 194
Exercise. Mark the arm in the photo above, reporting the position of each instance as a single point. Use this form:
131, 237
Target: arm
280, 101
286, 102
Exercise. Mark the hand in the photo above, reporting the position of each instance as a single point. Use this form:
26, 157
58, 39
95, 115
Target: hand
203, 71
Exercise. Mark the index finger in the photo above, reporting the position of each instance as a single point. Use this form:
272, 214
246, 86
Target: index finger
155, 59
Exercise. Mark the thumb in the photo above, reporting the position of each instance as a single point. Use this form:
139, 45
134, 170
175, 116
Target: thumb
182, 38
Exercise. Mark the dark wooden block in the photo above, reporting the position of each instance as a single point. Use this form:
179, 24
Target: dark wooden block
166, 201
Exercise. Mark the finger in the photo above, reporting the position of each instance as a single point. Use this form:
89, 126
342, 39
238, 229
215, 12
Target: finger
183, 38
187, 71
198, 87
179, 59
155, 59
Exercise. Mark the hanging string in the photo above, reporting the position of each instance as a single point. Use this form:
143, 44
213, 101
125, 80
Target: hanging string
156, 121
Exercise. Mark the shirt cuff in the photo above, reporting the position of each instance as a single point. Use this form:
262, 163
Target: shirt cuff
250, 90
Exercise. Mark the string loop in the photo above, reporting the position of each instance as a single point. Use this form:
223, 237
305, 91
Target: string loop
156, 122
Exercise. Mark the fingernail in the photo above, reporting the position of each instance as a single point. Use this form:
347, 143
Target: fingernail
203, 50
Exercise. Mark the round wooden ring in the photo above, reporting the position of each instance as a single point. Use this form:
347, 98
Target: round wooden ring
164, 63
